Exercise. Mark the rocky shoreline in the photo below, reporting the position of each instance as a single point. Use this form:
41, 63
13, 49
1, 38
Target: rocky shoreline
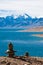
12, 59
21, 60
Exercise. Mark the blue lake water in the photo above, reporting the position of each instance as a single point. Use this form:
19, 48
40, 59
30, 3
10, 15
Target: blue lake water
22, 42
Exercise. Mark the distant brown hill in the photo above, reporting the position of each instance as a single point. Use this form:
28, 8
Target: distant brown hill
34, 29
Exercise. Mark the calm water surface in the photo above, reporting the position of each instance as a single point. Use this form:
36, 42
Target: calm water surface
22, 41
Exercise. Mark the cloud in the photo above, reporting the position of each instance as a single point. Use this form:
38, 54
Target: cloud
32, 7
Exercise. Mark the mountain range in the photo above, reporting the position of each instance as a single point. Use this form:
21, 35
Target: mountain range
21, 22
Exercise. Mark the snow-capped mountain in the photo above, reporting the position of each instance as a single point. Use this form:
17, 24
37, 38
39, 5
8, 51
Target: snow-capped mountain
20, 21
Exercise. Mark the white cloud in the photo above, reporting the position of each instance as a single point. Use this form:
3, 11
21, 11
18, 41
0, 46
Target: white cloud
32, 7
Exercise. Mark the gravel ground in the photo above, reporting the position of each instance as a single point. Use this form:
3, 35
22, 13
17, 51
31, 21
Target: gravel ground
21, 61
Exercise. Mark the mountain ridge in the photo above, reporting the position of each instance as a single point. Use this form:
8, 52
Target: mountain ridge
22, 21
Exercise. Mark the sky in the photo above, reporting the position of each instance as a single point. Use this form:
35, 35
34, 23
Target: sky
32, 7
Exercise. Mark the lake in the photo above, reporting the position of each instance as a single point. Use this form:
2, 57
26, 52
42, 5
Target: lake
22, 42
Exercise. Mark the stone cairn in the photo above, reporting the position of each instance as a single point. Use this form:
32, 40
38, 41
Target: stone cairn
27, 54
10, 51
